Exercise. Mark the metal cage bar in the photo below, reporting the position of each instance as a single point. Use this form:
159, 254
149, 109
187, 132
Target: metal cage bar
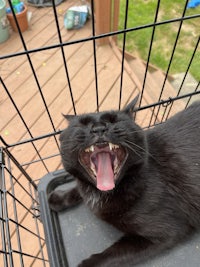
9, 164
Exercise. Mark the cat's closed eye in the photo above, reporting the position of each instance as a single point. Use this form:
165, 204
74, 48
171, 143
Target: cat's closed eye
109, 117
85, 120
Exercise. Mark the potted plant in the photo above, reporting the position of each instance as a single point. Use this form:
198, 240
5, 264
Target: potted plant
20, 10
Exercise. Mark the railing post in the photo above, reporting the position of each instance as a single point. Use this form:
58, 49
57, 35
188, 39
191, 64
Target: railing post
103, 19
115, 17
106, 18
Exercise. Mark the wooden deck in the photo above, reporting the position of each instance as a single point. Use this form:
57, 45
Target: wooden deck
49, 67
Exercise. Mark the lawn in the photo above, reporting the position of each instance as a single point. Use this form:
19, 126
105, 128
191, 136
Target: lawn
137, 42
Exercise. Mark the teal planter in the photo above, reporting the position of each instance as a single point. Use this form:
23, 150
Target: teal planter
4, 31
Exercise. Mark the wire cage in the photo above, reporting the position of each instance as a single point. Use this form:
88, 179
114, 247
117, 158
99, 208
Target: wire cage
46, 71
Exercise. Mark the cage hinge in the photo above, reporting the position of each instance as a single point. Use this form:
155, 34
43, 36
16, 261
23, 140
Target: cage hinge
36, 210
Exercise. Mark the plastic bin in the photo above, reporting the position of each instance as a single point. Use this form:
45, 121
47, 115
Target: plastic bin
75, 234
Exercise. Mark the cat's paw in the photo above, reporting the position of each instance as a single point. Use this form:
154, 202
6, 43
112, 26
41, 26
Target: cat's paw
60, 200
96, 260
90, 262
56, 200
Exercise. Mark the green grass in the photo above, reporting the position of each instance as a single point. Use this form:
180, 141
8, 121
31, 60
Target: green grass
137, 42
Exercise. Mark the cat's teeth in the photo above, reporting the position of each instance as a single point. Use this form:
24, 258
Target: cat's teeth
112, 146
94, 170
89, 149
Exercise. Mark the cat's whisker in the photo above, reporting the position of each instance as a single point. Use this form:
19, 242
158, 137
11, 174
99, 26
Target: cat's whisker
69, 147
80, 140
73, 140
144, 150
134, 144
136, 152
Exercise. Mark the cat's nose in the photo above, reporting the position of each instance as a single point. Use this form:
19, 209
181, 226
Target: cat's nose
99, 129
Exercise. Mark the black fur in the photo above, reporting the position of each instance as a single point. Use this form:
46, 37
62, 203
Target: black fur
156, 199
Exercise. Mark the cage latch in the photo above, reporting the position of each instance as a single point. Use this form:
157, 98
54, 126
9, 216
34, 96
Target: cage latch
2, 160
167, 102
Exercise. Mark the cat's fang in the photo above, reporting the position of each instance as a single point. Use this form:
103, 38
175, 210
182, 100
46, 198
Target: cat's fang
112, 146
89, 149
93, 169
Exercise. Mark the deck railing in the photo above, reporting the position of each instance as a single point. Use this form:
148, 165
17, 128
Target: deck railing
106, 18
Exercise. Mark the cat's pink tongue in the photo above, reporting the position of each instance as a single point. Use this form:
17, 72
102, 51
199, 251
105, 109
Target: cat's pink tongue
105, 175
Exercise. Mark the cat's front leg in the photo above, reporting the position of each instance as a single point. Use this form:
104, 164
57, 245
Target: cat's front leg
128, 251
60, 199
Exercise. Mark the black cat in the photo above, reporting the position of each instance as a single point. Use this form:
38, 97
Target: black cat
145, 183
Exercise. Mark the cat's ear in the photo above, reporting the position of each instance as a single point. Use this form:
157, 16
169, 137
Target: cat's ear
69, 117
130, 108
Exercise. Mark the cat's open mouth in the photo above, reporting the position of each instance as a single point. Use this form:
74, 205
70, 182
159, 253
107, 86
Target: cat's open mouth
103, 162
